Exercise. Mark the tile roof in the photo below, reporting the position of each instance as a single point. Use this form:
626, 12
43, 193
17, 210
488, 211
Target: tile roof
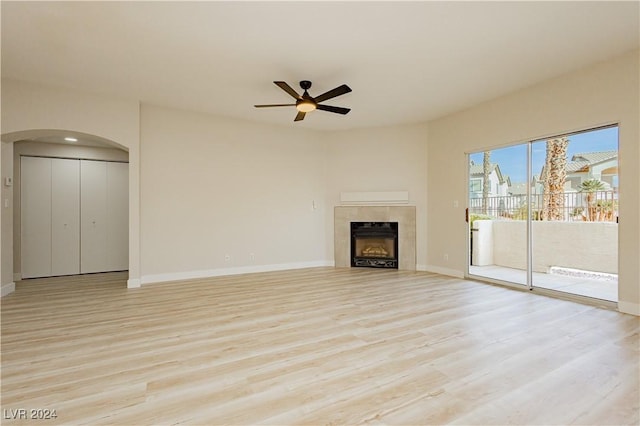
583, 160
478, 169
574, 166
595, 157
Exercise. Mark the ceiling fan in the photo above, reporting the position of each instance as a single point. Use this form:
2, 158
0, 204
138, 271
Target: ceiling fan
306, 103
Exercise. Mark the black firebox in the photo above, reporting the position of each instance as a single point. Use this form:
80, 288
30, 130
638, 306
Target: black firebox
374, 244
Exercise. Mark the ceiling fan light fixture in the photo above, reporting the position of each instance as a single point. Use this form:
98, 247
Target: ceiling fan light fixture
305, 105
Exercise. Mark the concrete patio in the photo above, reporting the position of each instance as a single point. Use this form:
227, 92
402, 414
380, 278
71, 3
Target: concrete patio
596, 288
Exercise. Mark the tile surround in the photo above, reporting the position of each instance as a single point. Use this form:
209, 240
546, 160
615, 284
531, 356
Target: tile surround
404, 215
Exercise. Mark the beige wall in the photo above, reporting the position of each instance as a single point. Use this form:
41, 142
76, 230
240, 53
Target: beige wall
601, 94
379, 159
28, 106
213, 187
6, 218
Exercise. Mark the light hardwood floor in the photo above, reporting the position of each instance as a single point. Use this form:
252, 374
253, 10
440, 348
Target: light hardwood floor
319, 346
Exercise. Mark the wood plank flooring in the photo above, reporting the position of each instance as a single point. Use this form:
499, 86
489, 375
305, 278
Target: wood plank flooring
321, 346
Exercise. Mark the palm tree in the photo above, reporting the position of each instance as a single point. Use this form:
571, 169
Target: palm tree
590, 187
486, 170
554, 177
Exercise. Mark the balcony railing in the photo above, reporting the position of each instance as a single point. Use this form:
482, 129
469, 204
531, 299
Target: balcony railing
599, 206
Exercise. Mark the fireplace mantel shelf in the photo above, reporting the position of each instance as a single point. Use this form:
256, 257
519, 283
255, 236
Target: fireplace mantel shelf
374, 198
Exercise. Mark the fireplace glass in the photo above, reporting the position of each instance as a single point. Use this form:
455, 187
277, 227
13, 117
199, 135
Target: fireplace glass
374, 244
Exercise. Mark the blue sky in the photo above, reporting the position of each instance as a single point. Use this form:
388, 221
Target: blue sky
513, 159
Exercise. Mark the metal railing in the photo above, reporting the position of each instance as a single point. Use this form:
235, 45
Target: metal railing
598, 206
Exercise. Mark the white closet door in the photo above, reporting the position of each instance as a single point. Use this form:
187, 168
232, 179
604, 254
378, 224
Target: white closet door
65, 217
117, 216
93, 214
35, 216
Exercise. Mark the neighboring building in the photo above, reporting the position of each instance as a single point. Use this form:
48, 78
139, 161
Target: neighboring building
498, 183
602, 166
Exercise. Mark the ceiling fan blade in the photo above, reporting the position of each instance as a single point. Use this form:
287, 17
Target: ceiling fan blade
335, 109
273, 105
300, 116
284, 86
340, 90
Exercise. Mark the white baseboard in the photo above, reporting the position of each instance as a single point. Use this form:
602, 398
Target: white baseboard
17, 276
7, 289
440, 270
191, 275
133, 283
629, 308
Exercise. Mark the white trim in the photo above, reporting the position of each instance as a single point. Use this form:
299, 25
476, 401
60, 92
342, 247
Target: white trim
442, 271
422, 268
7, 289
17, 276
629, 308
191, 275
389, 197
133, 283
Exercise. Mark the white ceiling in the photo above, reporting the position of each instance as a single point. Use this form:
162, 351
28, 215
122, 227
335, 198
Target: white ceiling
406, 62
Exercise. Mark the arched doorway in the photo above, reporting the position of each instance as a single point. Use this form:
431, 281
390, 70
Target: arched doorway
62, 148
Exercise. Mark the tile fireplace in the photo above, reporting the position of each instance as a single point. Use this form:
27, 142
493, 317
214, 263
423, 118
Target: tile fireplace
379, 247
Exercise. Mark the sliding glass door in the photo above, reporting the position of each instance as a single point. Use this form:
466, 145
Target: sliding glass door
575, 234
498, 214
545, 214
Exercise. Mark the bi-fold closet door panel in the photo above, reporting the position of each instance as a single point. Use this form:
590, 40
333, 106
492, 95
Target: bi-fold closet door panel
50, 209
93, 206
35, 216
65, 217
